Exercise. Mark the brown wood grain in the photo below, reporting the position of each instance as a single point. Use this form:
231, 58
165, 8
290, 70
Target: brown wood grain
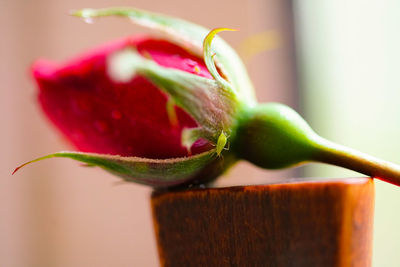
303, 223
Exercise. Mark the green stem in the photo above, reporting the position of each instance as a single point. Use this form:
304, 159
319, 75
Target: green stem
342, 156
274, 136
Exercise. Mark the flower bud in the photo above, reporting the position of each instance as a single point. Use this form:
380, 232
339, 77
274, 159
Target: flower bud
153, 111
168, 112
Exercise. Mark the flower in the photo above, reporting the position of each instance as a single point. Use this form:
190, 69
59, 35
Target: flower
154, 111
166, 112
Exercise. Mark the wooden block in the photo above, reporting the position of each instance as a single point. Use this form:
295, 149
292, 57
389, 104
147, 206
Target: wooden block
301, 223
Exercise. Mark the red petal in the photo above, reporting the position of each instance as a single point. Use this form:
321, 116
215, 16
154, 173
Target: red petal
99, 115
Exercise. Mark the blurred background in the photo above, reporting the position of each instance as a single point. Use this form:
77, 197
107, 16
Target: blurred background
335, 61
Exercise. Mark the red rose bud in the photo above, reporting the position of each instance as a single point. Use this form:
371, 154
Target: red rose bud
164, 113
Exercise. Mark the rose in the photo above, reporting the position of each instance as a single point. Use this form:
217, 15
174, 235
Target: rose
165, 113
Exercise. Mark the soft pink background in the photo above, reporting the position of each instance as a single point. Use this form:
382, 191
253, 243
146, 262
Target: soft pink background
56, 213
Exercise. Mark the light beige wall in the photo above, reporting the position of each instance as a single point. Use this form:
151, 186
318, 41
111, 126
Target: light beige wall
56, 213
350, 69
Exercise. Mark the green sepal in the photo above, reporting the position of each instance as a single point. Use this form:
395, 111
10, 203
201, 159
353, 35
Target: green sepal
213, 107
152, 172
209, 57
190, 36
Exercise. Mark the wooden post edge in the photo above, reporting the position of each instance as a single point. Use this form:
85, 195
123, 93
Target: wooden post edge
302, 223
